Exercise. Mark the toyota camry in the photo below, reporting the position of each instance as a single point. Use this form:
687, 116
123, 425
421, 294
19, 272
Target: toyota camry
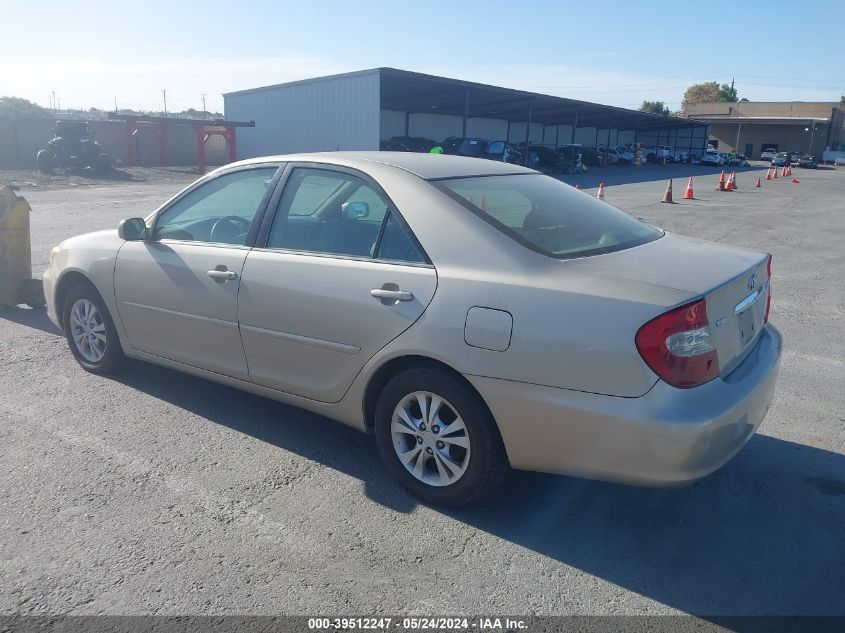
474, 316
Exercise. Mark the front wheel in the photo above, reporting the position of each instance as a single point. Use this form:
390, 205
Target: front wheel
90, 331
438, 439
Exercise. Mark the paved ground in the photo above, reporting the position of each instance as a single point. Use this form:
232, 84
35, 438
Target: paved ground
159, 493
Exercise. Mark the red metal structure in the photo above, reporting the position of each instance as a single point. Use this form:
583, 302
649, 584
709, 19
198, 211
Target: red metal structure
203, 134
160, 126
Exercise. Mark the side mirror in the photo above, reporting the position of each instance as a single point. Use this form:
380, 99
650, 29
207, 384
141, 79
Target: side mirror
132, 230
355, 210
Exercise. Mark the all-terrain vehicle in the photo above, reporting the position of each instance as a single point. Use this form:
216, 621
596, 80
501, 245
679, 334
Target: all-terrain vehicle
73, 147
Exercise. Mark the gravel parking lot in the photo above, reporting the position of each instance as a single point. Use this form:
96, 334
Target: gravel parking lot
155, 492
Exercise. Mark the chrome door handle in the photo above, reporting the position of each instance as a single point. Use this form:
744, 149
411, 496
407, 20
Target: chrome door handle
224, 275
392, 295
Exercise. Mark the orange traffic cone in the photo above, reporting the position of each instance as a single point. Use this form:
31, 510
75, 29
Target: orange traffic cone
667, 197
775, 173
769, 173
721, 184
600, 193
758, 183
688, 195
783, 172
795, 181
733, 181
729, 186
577, 186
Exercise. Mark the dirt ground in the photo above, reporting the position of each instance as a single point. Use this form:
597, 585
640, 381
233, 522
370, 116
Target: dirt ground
28, 179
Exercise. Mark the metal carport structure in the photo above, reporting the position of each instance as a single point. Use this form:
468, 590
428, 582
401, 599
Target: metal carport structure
412, 92
359, 109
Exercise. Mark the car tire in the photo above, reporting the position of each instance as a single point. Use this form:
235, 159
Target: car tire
90, 332
45, 161
472, 455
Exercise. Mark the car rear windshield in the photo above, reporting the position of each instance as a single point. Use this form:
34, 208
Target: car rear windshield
547, 215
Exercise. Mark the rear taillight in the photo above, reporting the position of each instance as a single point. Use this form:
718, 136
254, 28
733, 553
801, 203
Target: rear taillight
769, 287
678, 346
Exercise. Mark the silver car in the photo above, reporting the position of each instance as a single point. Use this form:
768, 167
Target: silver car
472, 315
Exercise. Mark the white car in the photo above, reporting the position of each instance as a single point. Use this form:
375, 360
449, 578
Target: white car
612, 155
655, 154
768, 154
715, 159
626, 154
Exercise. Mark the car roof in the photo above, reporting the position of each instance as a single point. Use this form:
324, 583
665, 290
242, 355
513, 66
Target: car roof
427, 166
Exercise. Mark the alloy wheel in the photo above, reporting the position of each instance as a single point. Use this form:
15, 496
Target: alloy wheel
430, 438
88, 330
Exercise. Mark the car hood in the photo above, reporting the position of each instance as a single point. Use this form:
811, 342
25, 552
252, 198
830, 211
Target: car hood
96, 239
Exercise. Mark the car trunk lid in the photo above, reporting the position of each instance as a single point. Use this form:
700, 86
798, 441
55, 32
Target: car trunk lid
733, 281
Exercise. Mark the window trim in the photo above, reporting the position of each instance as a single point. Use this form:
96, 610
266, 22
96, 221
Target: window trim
502, 228
284, 181
252, 234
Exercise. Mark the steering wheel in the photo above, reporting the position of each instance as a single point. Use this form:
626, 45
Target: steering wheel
229, 227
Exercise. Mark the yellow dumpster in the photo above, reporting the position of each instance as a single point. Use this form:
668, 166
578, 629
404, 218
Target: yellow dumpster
16, 283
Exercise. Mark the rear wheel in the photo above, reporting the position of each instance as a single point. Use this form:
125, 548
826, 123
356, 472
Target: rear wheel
90, 331
45, 161
438, 439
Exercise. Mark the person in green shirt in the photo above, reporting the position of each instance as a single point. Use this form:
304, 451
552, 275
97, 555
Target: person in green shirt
436, 150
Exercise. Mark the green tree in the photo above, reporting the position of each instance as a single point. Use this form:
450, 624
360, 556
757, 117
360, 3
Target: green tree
655, 107
702, 93
21, 108
727, 93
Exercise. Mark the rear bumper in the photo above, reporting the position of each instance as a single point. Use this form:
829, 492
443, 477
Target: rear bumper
667, 437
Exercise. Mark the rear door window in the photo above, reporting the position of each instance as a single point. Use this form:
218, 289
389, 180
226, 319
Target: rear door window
337, 213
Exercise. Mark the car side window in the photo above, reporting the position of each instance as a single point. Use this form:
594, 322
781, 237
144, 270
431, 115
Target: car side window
219, 211
396, 243
335, 213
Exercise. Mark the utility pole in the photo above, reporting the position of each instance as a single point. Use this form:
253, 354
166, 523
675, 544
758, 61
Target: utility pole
164, 97
115, 103
203, 105
53, 100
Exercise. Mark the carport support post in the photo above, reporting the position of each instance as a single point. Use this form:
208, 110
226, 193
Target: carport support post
574, 126
607, 144
736, 144
161, 132
466, 113
528, 130
199, 130
131, 140
232, 140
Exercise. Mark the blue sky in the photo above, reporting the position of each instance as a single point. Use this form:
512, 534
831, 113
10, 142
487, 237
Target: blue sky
610, 52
